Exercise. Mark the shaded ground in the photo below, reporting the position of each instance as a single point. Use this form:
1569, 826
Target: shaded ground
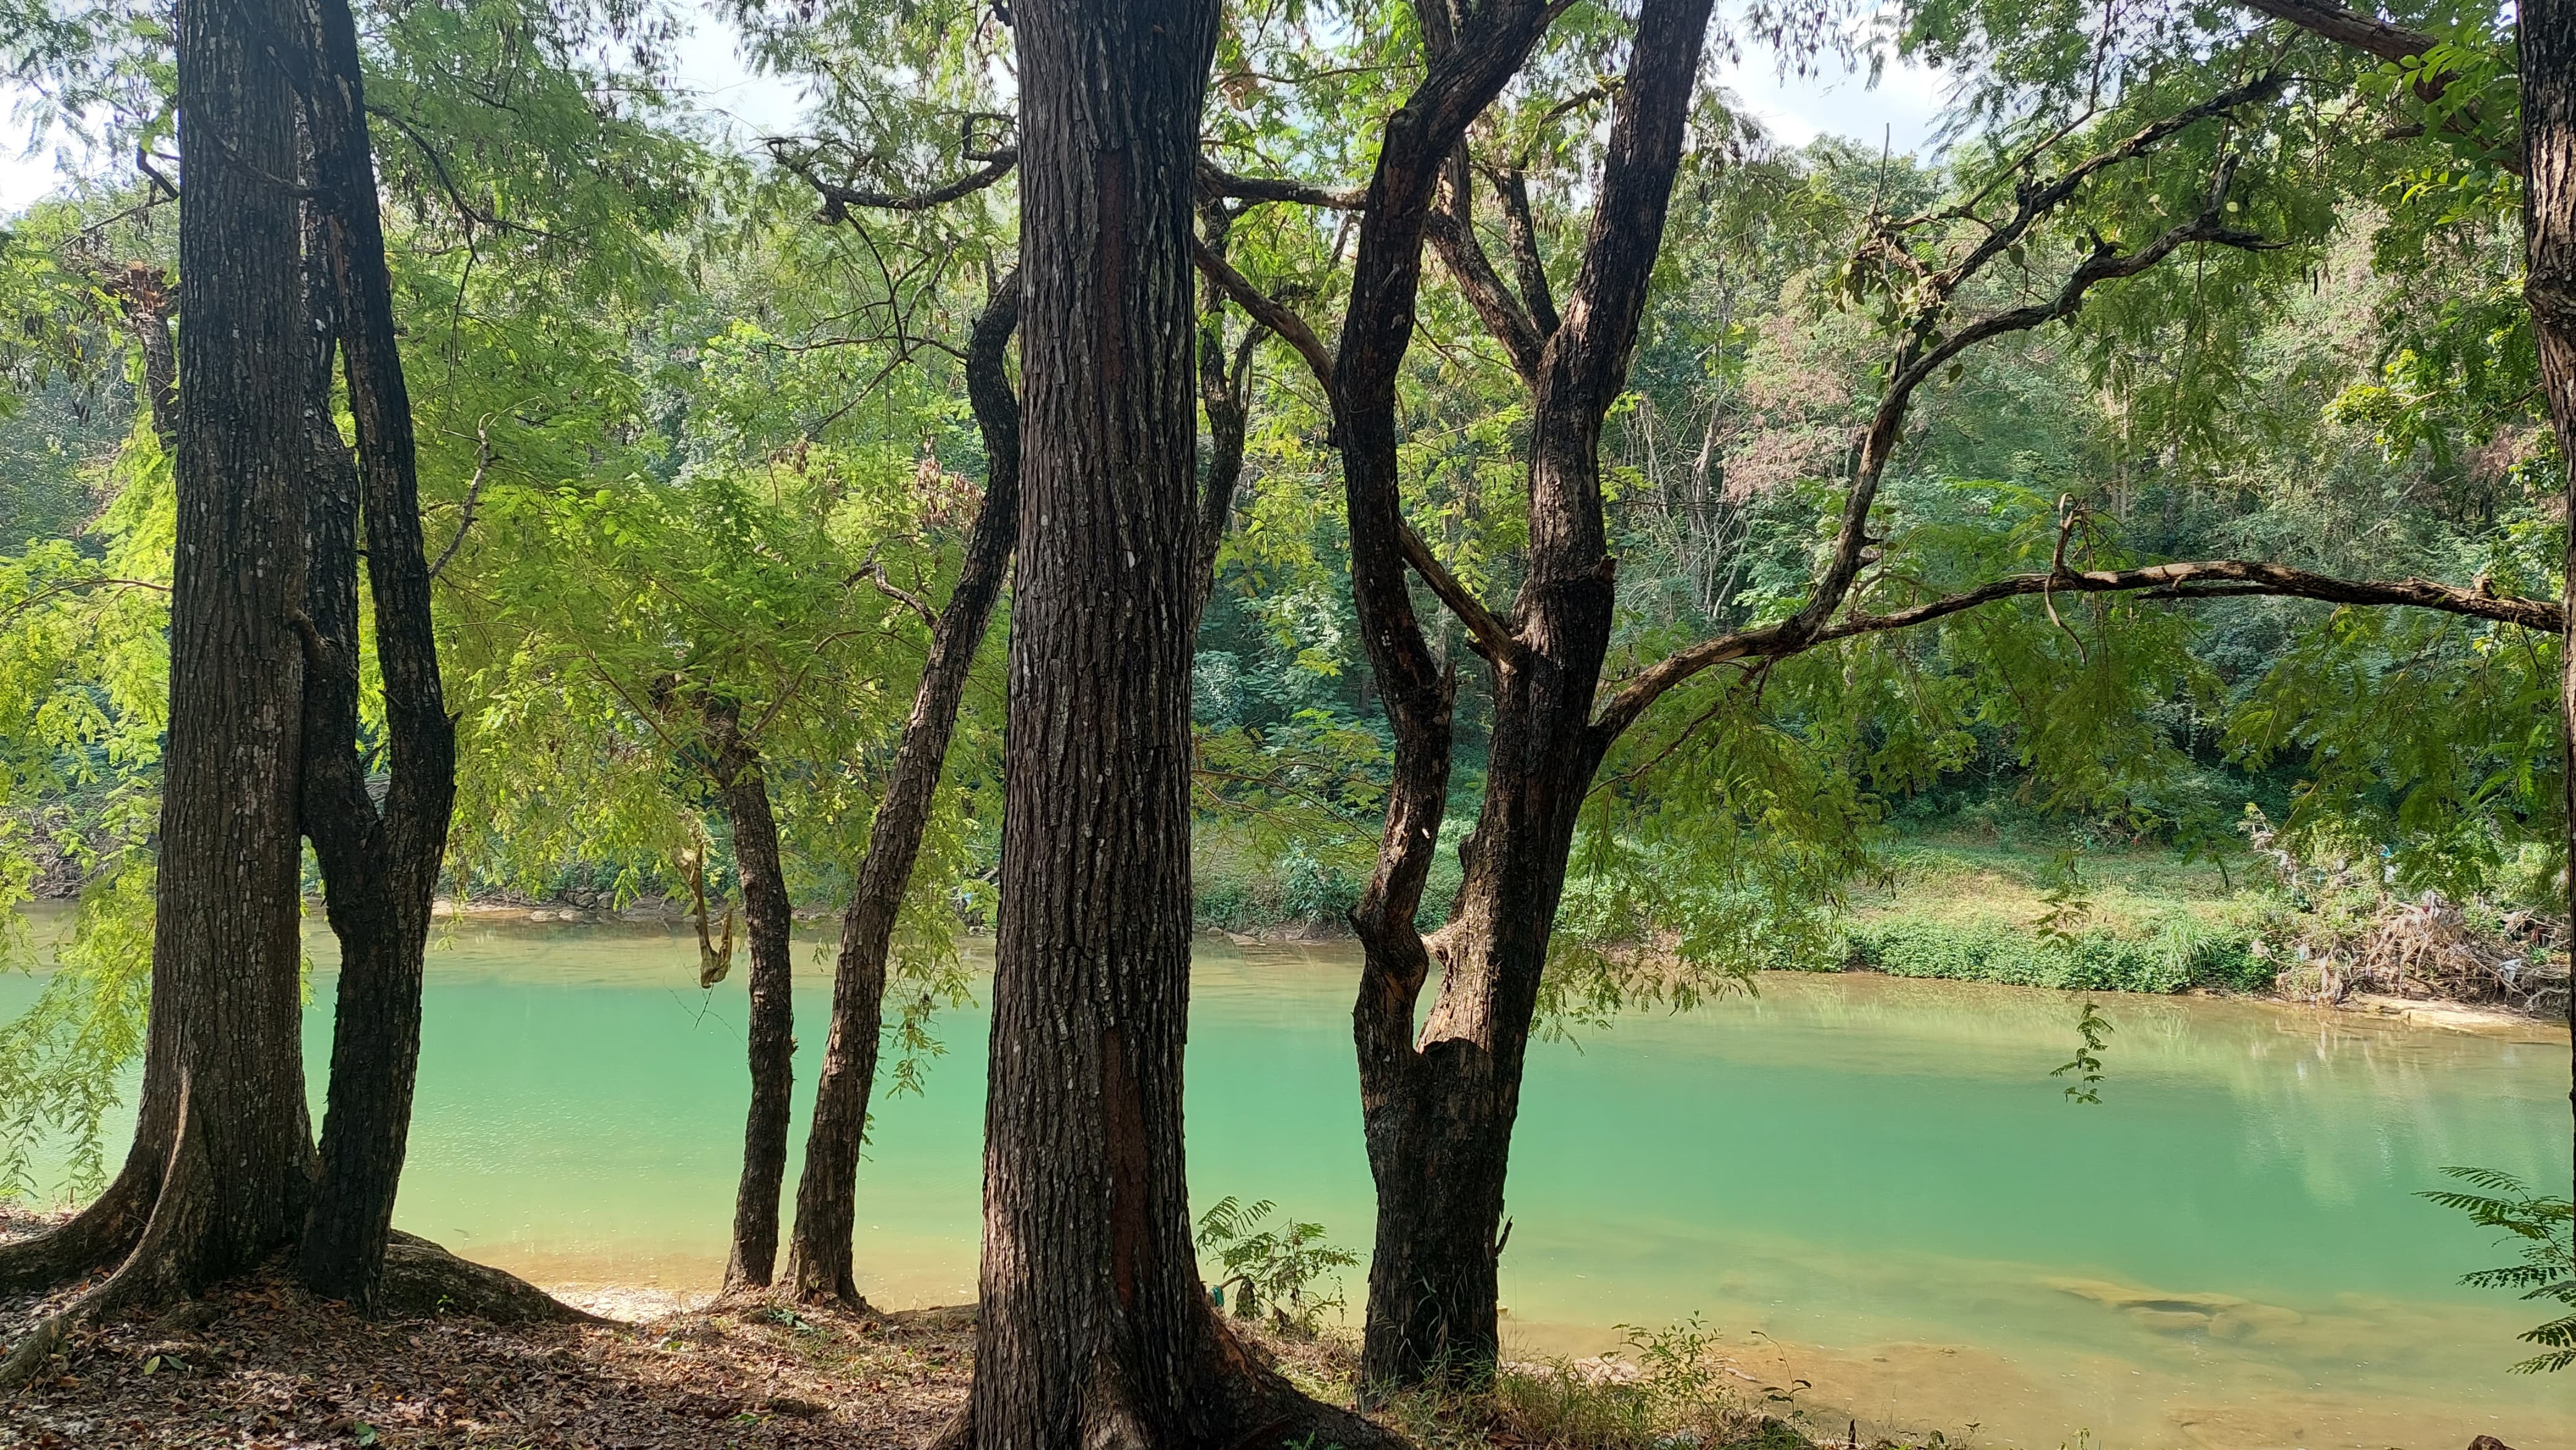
260, 1364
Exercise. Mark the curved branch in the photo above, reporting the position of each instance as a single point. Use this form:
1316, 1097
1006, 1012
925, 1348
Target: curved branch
1919, 355
839, 198
2395, 44
1270, 312
2210, 578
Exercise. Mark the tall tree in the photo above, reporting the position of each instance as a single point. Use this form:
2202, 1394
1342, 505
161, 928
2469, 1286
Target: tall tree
1440, 1104
1439, 1099
220, 1173
380, 867
734, 763
819, 1263
2549, 142
1094, 1329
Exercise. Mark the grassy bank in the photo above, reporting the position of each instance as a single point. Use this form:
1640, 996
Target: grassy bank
2125, 921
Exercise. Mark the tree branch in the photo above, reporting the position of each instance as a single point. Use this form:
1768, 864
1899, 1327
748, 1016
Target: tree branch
2200, 579
1451, 225
2377, 38
1922, 351
1520, 234
2365, 33
1493, 639
1269, 311
1214, 181
839, 198
473, 495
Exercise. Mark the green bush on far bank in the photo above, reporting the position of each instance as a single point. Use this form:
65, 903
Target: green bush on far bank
2176, 955
2139, 920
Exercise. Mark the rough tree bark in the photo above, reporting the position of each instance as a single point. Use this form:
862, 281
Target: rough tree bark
234, 1181
220, 1171
379, 868
767, 921
2549, 287
820, 1260
1094, 1330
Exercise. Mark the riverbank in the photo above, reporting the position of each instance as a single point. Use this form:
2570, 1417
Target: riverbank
2227, 1252
258, 1363
2155, 921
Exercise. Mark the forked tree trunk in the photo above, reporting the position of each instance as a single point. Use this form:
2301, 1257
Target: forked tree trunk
1439, 1104
820, 1262
223, 1151
380, 868
1094, 1330
767, 920
2549, 140
1439, 1108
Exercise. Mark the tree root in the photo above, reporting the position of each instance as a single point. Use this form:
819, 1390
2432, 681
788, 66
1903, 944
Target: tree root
99, 1234
1278, 1414
147, 1276
422, 1278
1246, 1405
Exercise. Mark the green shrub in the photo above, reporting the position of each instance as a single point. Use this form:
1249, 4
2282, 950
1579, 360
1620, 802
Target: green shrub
2177, 953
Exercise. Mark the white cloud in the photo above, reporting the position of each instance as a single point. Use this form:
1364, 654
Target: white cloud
1900, 110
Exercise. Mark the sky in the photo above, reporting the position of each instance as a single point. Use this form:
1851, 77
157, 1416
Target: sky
1899, 110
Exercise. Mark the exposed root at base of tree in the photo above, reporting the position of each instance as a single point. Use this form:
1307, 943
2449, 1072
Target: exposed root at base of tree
420, 1278
782, 1299
261, 1362
55, 1252
1251, 1404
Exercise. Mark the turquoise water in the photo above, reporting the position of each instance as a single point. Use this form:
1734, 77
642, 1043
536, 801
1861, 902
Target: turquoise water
1868, 1184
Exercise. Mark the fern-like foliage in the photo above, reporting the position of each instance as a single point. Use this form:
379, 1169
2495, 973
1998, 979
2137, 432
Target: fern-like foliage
2540, 1227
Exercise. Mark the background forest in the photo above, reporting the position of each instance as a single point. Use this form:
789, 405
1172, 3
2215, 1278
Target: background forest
679, 432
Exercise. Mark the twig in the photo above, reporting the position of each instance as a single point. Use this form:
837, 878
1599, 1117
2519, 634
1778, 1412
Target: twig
473, 494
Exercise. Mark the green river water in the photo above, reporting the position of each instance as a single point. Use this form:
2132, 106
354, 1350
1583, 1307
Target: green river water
1866, 1183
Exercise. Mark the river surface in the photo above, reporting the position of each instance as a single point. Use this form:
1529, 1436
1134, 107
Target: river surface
1868, 1184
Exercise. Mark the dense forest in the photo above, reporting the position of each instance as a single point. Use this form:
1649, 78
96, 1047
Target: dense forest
1442, 476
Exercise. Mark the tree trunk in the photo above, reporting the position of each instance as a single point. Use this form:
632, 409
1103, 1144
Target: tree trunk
1439, 1104
220, 1168
1094, 1330
2549, 140
767, 920
226, 952
820, 1261
1439, 1107
379, 870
